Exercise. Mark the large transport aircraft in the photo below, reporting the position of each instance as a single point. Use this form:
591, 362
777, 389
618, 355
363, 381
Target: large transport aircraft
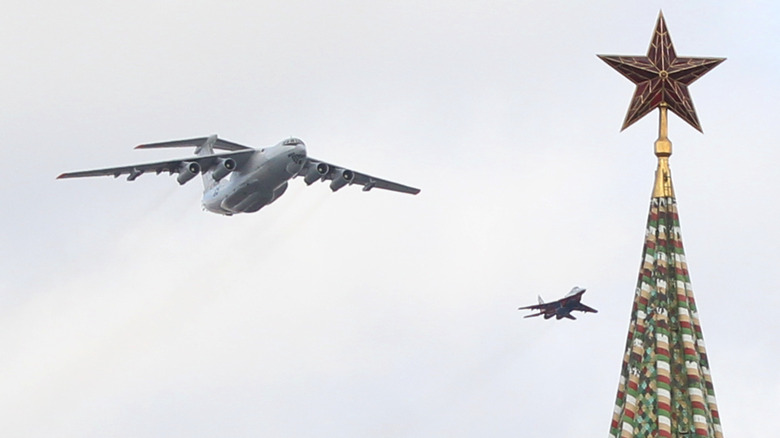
257, 177
561, 308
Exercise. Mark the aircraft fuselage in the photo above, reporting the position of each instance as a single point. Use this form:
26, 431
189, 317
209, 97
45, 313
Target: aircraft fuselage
257, 182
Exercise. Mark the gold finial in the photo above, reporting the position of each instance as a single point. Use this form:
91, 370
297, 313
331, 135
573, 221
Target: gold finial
663, 150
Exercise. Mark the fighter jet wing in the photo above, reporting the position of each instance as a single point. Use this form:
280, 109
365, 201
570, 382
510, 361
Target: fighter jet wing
314, 169
171, 166
546, 309
573, 301
583, 308
543, 306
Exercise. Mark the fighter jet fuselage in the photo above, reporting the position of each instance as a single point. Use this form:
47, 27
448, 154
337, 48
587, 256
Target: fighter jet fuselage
561, 308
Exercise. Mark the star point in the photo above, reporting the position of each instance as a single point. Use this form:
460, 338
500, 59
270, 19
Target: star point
661, 77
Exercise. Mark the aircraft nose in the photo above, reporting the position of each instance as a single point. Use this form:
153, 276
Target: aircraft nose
297, 158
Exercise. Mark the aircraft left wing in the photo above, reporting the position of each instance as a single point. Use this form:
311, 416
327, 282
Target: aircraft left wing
188, 166
583, 308
314, 169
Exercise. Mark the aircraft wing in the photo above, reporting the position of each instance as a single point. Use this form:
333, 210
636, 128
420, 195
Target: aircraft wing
543, 306
367, 181
572, 298
583, 308
218, 144
546, 309
573, 302
171, 166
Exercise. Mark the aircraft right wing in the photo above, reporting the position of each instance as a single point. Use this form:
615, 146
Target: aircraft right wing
572, 297
187, 166
544, 309
314, 169
543, 306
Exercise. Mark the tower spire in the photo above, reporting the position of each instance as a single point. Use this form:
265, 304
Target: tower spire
663, 150
665, 388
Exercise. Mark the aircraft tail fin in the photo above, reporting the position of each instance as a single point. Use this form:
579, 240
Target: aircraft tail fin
541, 301
207, 148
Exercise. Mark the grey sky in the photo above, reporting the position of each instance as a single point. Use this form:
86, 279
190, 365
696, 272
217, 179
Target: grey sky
127, 311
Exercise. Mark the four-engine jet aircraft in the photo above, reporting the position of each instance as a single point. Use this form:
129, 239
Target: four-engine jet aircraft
563, 307
257, 176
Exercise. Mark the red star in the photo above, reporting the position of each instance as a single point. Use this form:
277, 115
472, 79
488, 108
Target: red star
661, 77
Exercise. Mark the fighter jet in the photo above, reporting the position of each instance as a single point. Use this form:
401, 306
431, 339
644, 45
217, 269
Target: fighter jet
561, 308
257, 177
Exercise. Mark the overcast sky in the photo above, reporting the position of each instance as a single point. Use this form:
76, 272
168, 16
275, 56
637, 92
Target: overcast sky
127, 311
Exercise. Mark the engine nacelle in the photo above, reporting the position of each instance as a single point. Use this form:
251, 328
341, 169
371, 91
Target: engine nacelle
135, 173
223, 168
188, 171
343, 178
317, 172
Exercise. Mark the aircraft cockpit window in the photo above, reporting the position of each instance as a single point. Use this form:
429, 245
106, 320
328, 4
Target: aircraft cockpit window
292, 142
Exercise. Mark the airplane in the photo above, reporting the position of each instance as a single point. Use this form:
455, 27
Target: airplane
561, 308
258, 177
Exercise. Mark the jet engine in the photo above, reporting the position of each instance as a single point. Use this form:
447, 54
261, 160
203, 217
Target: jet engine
317, 172
188, 171
223, 168
343, 177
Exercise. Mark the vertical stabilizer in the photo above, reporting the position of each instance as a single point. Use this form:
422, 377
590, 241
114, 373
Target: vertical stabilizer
207, 148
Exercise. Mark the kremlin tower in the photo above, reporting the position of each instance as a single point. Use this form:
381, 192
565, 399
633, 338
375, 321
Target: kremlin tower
665, 387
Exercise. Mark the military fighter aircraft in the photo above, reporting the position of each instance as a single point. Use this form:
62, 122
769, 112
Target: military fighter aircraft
563, 307
257, 176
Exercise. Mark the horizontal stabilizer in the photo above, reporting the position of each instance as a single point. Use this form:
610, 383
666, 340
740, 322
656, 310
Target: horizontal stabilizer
195, 142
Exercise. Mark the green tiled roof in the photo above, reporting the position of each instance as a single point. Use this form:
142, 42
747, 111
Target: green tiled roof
665, 387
